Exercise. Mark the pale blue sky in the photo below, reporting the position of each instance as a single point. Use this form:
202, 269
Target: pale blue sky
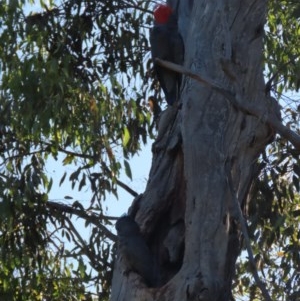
140, 166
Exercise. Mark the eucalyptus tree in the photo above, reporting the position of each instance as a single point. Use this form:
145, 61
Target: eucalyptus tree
224, 181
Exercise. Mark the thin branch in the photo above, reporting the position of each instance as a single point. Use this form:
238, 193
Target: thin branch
121, 184
84, 246
91, 218
67, 152
134, 6
238, 101
18, 156
127, 188
239, 214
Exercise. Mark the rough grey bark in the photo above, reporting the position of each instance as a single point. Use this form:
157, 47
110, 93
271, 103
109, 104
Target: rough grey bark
187, 214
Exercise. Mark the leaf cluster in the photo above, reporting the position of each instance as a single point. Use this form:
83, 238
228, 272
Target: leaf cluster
273, 209
69, 91
273, 225
282, 40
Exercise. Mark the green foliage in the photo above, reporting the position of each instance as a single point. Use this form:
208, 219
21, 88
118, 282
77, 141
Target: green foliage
274, 207
73, 85
274, 227
64, 69
282, 42
51, 279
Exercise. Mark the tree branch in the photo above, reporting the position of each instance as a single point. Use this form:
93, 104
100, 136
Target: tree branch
92, 218
83, 246
121, 184
67, 152
238, 101
240, 217
127, 188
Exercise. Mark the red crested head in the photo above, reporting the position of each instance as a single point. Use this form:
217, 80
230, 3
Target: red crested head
162, 13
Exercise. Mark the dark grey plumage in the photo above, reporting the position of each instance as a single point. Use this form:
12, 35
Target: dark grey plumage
167, 44
134, 250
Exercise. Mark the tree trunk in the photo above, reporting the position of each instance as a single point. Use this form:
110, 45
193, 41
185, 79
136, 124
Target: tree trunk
187, 213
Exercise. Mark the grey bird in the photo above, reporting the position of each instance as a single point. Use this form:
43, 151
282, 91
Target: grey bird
134, 250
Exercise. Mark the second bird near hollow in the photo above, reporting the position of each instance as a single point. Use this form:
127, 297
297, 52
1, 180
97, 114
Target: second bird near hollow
167, 44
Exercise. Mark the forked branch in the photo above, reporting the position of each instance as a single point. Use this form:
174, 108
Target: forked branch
258, 110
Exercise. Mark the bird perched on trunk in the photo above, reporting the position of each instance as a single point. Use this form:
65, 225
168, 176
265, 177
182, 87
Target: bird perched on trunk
134, 250
167, 44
